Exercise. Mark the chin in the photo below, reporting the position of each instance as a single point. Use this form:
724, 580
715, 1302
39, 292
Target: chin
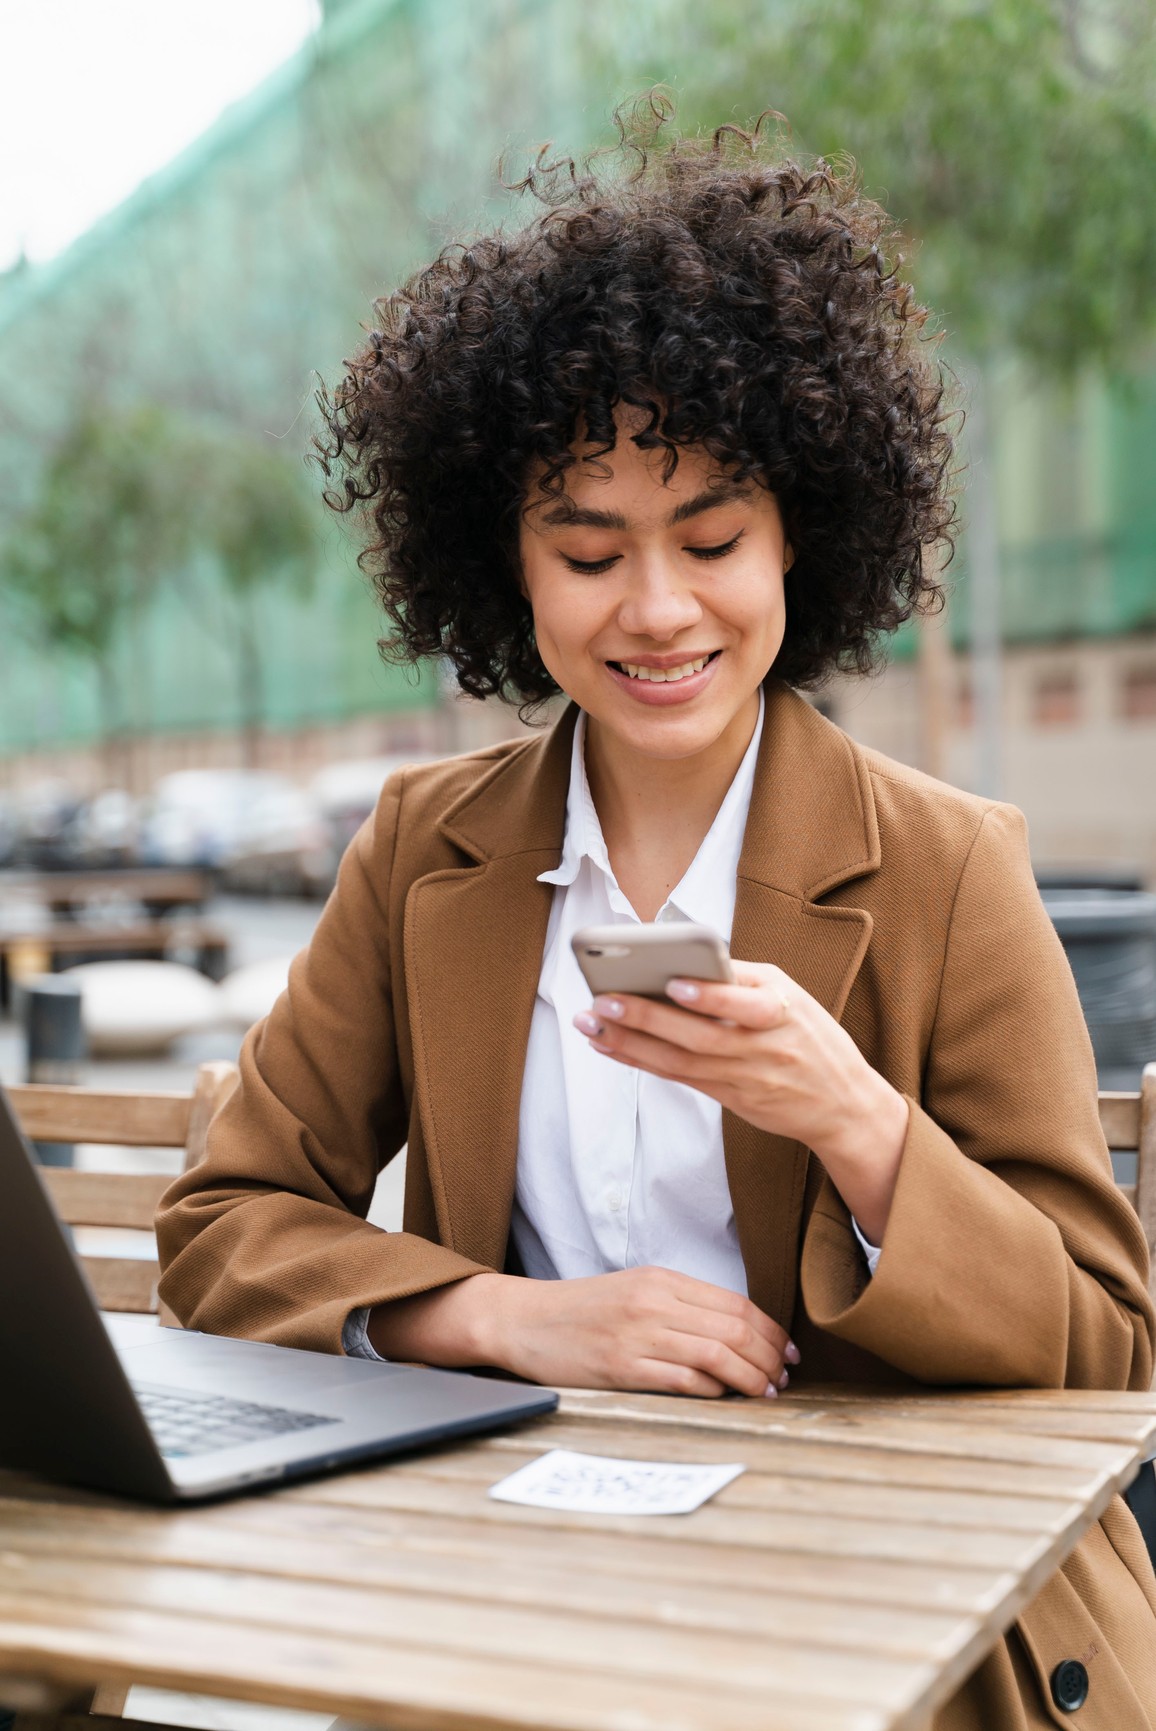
668, 736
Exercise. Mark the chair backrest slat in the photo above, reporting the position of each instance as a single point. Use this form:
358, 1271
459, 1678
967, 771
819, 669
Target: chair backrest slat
1129, 1125
126, 1119
123, 1282
1120, 1119
127, 1199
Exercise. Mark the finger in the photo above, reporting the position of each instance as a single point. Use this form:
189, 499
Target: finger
761, 1005
665, 1022
714, 1358
657, 1376
700, 1070
737, 1337
704, 1296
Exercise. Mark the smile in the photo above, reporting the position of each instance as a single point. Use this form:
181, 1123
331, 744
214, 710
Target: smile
665, 687
664, 675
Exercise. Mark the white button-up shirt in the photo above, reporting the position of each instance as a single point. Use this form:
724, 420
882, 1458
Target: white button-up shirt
617, 1168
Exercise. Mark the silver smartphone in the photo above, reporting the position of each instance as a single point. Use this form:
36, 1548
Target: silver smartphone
641, 959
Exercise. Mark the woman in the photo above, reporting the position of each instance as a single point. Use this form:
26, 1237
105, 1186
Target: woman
674, 450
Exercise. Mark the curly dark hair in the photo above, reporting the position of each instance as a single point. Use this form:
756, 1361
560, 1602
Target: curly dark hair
747, 304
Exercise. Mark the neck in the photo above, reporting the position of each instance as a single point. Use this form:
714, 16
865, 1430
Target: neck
655, 812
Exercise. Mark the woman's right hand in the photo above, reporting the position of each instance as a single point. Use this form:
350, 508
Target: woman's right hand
645, 1329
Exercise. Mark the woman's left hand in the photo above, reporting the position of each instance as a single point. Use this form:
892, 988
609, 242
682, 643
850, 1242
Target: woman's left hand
770, 1053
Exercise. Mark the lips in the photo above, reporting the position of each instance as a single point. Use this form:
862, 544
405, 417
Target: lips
661, 687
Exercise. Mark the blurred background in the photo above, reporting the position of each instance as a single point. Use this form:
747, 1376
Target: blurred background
198, 207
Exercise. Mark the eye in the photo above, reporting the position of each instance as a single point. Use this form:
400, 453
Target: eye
590, 567
719, 552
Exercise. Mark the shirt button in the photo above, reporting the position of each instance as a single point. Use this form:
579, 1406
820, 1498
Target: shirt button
615, 1201
1069, 1686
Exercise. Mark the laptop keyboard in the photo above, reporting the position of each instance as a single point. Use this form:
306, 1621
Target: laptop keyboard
186, 1423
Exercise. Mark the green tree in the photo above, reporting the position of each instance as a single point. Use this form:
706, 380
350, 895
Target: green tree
256, 527
134, 498
85, 559
1013, 140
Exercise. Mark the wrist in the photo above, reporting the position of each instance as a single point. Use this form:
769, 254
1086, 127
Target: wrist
452, 1326
865, 1149
484, 1299
870, 1128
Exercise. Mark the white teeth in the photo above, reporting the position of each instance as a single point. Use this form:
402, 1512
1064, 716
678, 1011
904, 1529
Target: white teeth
664, 675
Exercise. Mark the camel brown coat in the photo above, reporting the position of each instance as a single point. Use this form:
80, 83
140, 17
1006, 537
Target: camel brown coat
909, 910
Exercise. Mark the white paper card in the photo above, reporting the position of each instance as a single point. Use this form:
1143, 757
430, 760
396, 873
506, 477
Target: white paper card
599, 1485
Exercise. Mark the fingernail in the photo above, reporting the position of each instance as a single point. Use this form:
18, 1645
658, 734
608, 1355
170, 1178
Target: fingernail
610, 1006
784, 1379
792, 1353
586, 1023
772, 1391
684, 990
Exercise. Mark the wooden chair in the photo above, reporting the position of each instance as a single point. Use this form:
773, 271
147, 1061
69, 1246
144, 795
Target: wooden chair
120, 1199
1129, 1124
127, 1200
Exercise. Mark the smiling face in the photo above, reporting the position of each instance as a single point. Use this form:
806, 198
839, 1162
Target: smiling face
658, 606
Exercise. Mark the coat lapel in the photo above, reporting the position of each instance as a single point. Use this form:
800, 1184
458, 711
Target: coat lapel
811, 828
474, 937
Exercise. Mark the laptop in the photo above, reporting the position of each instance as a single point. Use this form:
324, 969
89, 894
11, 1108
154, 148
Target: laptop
186, 1416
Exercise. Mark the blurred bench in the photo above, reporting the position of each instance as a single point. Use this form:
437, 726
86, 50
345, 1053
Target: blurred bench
157, 888
68, 942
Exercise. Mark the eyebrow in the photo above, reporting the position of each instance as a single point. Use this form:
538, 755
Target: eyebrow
564, 515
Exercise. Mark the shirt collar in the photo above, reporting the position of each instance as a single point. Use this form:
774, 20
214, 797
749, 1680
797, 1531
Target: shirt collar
583, 839
706, 893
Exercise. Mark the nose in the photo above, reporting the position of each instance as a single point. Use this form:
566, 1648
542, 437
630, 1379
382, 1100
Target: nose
658, 603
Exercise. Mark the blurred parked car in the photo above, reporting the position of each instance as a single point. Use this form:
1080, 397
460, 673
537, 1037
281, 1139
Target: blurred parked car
284, 846
42, 817
259, 831
103, 833
347, 792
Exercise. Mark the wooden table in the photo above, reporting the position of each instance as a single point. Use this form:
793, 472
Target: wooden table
848, 1581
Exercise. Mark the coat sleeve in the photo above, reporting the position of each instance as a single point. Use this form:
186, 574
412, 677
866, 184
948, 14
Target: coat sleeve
266, 1237
1010, 1257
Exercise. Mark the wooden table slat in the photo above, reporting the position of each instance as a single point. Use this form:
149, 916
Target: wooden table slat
835, 1423
627, 1646
856, 1622
759, 1489
374, 1680
860, 1462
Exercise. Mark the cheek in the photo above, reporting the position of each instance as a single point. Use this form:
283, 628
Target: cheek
760, 609
563, 622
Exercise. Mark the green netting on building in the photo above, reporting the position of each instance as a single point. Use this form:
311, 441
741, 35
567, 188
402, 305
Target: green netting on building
235, 277
226, 286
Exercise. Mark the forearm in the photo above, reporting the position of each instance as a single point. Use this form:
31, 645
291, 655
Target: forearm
639, 1328
452, 1327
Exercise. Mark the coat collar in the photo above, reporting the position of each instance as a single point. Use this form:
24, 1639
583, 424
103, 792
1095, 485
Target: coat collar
812, 819
474, 941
